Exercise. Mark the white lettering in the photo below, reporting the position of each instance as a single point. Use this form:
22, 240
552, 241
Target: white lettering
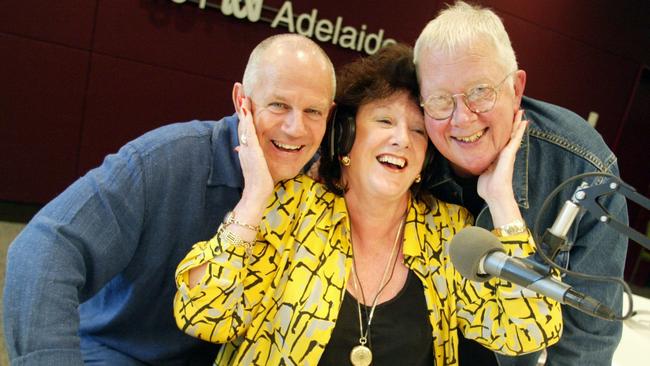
376, 38
362, 34
348, 37
324, 30
252, 9
388, 41
201, 3
311, 21
306, 24
337, 30
286, 18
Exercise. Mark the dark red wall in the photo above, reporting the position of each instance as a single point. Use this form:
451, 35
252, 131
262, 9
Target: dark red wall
82, 77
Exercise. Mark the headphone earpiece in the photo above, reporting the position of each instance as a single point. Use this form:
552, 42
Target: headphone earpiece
342, 133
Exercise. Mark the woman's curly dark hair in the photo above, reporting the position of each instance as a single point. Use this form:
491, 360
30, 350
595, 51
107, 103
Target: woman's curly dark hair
375, 77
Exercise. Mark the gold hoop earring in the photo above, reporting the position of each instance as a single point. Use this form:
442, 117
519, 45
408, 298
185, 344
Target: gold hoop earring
418, 179
345, 160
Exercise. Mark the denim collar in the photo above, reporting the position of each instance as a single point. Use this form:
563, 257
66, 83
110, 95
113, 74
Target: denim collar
444, 175
520, 175
226, 169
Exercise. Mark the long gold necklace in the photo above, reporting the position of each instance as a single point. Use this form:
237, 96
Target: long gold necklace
361, 355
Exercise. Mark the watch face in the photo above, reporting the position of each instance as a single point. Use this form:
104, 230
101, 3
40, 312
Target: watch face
516, 227
513, 228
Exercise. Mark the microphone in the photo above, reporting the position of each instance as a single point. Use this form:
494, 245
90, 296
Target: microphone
478, 255
564, 219
555, 236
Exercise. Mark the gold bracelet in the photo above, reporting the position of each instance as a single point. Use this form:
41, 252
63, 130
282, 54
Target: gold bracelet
228, 238
231, 219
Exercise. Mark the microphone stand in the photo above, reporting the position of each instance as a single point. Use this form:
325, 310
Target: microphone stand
586, 197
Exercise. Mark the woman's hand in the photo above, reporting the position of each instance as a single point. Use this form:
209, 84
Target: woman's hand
258, 183
495, 183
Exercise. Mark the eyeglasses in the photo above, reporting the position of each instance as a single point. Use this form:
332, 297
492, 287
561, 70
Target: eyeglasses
479, 99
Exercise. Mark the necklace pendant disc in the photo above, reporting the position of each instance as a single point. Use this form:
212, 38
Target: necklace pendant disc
361, 356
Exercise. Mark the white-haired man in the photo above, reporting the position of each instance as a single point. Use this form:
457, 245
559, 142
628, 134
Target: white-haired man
471, 89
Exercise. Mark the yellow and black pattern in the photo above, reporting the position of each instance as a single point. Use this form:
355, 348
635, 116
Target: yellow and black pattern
279, 306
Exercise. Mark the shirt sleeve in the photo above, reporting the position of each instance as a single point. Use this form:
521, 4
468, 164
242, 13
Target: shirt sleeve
60, 260
502, 316
220, 307
217, 309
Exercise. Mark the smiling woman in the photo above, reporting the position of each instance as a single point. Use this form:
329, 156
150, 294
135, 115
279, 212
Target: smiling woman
381, 89
356, 270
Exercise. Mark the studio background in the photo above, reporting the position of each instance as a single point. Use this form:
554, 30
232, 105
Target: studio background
79, 78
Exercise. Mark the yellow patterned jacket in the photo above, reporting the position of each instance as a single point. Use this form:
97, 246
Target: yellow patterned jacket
280, 305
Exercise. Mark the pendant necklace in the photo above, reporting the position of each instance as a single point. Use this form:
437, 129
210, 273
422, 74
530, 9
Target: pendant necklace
361, 355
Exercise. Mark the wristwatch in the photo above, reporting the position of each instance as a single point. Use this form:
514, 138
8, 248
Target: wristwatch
516, 227
228, 239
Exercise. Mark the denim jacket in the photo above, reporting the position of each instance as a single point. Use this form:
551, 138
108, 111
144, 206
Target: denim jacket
96, 265
558, 145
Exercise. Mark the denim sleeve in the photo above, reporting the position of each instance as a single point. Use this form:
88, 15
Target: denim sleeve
598, 249
72, 247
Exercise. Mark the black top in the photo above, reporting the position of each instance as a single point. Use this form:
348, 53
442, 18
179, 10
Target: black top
470, 352
400, 333
470, 199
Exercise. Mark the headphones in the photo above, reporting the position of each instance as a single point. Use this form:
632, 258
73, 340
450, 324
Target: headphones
342, 133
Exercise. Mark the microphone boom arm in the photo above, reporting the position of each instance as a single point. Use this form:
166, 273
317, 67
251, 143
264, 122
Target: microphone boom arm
587, 197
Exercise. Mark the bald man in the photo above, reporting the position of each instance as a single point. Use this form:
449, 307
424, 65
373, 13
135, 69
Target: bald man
91, 278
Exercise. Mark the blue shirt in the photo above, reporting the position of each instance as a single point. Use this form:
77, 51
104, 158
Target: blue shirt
97, 263
557, 145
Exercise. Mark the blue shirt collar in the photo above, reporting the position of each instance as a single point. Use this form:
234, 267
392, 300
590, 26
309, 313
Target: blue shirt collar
226, 170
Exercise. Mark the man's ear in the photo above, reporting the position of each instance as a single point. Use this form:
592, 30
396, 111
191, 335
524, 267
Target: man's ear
238, 96
520, 85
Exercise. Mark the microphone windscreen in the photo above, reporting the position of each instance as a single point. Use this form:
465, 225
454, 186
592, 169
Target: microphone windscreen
468, 247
